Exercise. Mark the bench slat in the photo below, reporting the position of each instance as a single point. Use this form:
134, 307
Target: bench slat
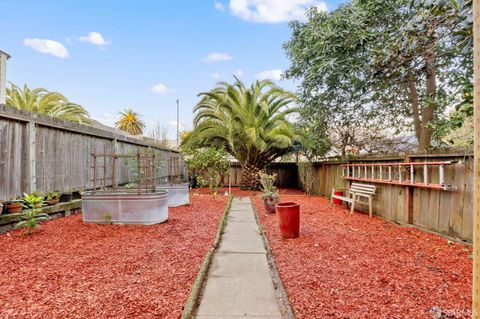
369, 187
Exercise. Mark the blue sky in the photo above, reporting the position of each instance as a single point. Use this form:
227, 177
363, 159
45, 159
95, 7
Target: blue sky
109, 55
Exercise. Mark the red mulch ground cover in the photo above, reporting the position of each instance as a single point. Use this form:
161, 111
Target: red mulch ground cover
68, 269
351, 266
236, 191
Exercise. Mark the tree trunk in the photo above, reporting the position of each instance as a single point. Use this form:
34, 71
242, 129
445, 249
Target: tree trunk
250, 178
428, 111
422, 119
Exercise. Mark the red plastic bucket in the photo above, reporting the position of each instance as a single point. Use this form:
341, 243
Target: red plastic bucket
337, 201
288, 219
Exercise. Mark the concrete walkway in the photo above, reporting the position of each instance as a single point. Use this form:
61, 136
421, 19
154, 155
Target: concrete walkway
239, 283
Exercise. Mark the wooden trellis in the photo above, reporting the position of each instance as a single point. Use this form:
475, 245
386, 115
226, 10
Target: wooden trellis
145, 180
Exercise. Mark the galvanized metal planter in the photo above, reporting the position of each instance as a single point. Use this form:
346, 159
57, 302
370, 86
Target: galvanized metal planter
125, 207
178, 194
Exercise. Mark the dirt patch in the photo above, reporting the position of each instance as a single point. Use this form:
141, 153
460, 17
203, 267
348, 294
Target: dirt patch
69, 269
353, 266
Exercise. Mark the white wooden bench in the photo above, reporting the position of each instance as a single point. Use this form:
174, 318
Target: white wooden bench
356, 191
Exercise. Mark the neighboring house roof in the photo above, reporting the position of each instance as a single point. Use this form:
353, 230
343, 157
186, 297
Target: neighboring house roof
5, 53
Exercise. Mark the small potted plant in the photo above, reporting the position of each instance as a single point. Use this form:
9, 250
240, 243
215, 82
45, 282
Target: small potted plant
52, 198
14, 205
270, 196
33, 200
32, 215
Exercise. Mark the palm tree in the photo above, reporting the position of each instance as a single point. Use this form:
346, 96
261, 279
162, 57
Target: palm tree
130, 122
249, 123
41, 101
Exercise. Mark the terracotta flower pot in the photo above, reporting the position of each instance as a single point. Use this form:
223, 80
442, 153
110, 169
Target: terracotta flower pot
289, 219
14, 208
53, 201
269, 204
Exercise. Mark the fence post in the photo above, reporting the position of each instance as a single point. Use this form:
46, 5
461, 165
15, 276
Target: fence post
408, 209
476, 184
114, 172
30, 147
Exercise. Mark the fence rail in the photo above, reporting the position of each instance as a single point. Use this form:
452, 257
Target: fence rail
39, 153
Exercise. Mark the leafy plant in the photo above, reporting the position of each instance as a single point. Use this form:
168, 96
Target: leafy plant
399, 62
41, 101
208, 164
306, 171
250, 123
130, 122
33, 200
107, 218
52, 195
32, 215
267, 181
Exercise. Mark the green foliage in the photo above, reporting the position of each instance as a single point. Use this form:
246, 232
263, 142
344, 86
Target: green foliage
131, 163
52, 195
48, 103
457, 128
208, 164
313, 141
31, 216
306, 172
32, 200
107, 218
250, 123
130, 122
376, 62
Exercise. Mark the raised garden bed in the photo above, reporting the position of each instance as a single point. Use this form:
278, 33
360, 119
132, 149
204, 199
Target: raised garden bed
178, 194
353, 266
125, 208
68, 269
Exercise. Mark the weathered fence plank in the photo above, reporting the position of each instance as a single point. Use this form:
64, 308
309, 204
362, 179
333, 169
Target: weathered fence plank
61, 156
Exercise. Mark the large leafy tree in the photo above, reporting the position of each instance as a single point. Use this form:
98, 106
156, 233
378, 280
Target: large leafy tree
130, 122
399, 61
250, 123
41, 101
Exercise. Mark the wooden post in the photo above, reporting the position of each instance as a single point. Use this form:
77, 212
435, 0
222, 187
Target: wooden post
476, 195
408, 196
30, 170
114, 164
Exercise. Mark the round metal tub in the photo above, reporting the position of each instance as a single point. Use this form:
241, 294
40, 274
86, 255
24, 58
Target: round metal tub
178, 194
125, 208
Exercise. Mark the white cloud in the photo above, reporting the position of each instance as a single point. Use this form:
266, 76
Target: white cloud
239, 73
95, 38
219, 6
216, 75
217, 57
108, 119
161, 89
47, 47
274, 11
275, 74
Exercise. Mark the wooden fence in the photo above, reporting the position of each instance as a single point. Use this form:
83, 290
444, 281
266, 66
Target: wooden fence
287, 174
445, 212
39, 153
